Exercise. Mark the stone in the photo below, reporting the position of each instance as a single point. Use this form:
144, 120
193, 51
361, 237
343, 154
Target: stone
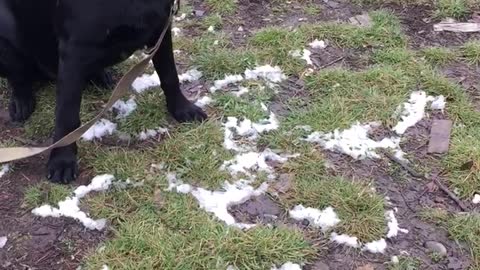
436, 247
440, 136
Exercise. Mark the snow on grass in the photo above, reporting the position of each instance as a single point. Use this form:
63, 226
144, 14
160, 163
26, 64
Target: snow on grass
181, 17
70, 206
253, 162
175, 184
266, 72
204, 101
105, 267
211, 29
303, 54
392, 222
190, 76
146, 81
323, 219
217, 202
124, 108
288, 266
318, 44
151, 133
176, 31
4, 169
228, 80
344, 239
100, 129
3, 241
414, 110
476, 199
378, 246
353, 141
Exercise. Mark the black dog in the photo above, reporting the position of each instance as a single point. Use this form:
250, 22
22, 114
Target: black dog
75, 40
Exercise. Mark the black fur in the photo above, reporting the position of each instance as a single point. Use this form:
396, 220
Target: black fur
74, 41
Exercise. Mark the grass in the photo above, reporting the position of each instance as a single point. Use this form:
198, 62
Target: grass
180, 236
452, 8
439, 56
45, 193
470, 51
361, 211
406, 263
226, 7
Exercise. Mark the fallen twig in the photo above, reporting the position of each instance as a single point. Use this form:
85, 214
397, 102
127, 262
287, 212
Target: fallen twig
434, 179
332, 62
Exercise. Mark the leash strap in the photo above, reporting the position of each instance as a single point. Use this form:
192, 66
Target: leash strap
121, 89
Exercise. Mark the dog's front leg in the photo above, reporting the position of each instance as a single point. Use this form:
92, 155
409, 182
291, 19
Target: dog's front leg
72, 78
178, 105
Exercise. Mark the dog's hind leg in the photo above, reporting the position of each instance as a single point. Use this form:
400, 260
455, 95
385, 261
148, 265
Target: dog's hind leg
20, 73
178, 105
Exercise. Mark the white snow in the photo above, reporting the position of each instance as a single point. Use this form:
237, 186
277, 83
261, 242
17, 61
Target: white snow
3, 241
393, 228
70, 206
100, 129
228, 80
124, 108
145, 82
252, 161
190, 76
288, 266
323, 219
176, 31
344, 239
204, 101
4, 170
181, 17
150, 133
353, 141
378, 246
105, 267
241, 91
395, 260
304, 54
438, 103
240, 29
318, 44
217, 202
176, 184
267, 72
211, 29
476, 199
414, 110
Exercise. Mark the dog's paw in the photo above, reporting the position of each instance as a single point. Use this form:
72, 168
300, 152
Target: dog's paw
185, 111
62, 166
104, 79
21, 108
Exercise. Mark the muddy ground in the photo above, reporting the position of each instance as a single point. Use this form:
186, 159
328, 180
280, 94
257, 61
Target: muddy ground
35, 243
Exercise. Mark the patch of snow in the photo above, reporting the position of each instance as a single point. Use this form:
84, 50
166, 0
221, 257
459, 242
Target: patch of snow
211, 29
318, 44
240, 29
393, 228
181, 17
378, 246
204, 101
100, 129
241, 91
267, 124
150, 133
145, 82
323, 219
438, 103
70, 206
229, 79
217, 202
176, 184
124, 108
353, 141
304, 54
3, 241
267, 72
216, 42
105, 267
4, 170
476, 199
344, 239
395, 260
288, 266
414, 110
253, 161
190, 76
177, 51
176, 31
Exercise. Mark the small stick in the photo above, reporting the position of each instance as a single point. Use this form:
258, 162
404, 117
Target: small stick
332, 63
404, 165
434, 178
